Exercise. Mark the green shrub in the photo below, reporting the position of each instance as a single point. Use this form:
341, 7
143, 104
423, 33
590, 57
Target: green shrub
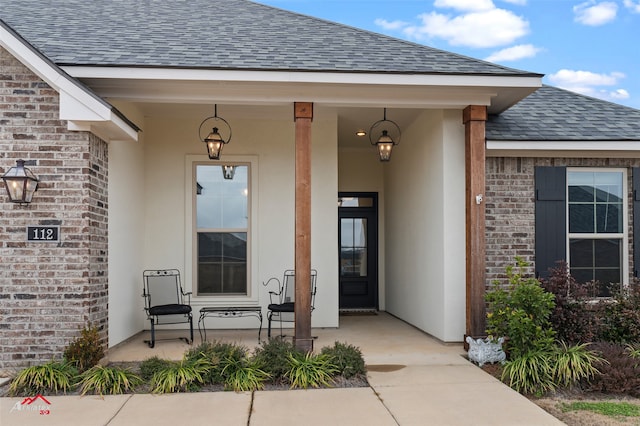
520, 312
574, 363
52, 377
151, 366
241, 374
307, 369
347, 359
531, 372
85, 351
181, 376
273, 357
108, 380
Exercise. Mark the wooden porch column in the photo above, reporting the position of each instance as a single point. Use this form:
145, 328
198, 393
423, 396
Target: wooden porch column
474, 118
303, 112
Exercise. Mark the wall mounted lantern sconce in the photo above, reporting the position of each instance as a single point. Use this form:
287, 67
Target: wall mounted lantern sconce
228, 171
21, 183
215, 141
389, 135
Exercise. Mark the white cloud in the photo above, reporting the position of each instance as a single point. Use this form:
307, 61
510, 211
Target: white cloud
390, 25
514, 53
620, 94
588, 83
465, 5
588, 78
518, 2
634, 6
489, 28
595, 14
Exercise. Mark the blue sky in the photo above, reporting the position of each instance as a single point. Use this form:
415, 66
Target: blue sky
591, 47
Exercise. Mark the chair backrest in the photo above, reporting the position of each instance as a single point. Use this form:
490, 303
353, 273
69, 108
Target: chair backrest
162, 287
289, 287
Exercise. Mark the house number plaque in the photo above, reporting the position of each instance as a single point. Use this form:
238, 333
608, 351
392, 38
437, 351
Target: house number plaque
43, 233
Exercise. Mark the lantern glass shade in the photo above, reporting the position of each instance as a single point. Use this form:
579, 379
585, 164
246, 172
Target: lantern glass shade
390, 134
214, 144
20, 182
228, 172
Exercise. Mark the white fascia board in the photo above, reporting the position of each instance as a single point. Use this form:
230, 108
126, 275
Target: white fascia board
302, 77
573, 149
76, 103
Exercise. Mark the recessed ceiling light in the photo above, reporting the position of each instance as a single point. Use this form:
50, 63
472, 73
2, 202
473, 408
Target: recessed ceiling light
361, 133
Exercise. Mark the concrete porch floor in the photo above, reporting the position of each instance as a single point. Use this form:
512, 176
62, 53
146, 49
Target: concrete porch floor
413, 380
382, 338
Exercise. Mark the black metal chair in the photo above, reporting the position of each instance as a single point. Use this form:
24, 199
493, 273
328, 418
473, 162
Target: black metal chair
282, 310
165, 301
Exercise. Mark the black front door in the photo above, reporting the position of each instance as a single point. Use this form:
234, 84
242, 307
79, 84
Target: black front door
358, 240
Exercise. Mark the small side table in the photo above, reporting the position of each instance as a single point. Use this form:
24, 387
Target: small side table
228, 312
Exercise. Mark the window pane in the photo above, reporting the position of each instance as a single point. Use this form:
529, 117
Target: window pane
595, 202
355, 202
607, 253
222, 263
580, 194
221, 203
609, 218
596, 259
581, 218
581, 253
353, 250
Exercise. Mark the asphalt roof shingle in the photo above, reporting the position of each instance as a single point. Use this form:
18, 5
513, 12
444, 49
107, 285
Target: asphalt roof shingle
220, 34
553, 114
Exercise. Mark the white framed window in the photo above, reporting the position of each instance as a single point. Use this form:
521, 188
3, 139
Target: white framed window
597, 224
220, 243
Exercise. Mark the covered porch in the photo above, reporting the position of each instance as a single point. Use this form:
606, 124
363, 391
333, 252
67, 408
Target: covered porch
382, 338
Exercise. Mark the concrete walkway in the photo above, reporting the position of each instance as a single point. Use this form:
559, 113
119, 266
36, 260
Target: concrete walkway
414, 380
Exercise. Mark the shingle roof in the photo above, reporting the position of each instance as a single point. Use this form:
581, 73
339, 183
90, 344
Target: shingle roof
220, 34
553, 114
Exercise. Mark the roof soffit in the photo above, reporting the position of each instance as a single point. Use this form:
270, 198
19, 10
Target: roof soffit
339, 89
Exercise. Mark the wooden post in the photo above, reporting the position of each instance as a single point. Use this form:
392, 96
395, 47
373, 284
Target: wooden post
474, 118
303, 116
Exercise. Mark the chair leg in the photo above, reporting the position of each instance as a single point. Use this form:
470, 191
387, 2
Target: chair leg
191, 328
152, 342
269, 315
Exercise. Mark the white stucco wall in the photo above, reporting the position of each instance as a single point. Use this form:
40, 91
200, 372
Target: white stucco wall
424, 226
126, 234
171, 139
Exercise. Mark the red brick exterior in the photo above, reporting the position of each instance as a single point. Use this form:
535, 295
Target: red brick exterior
510, 209
48, 291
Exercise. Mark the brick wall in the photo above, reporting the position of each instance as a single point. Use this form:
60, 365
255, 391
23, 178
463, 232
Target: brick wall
48, 291
510, 193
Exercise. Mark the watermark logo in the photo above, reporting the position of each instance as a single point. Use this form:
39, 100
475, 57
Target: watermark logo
38, 403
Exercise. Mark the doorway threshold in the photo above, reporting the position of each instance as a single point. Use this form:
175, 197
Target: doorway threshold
358, 311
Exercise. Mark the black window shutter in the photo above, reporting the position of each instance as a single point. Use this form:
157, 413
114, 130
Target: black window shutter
550, 215
636, 221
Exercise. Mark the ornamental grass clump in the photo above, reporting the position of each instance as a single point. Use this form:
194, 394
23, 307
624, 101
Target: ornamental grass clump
111, 380
572, 364
182, 376
307, 369
52, 377
242, 374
